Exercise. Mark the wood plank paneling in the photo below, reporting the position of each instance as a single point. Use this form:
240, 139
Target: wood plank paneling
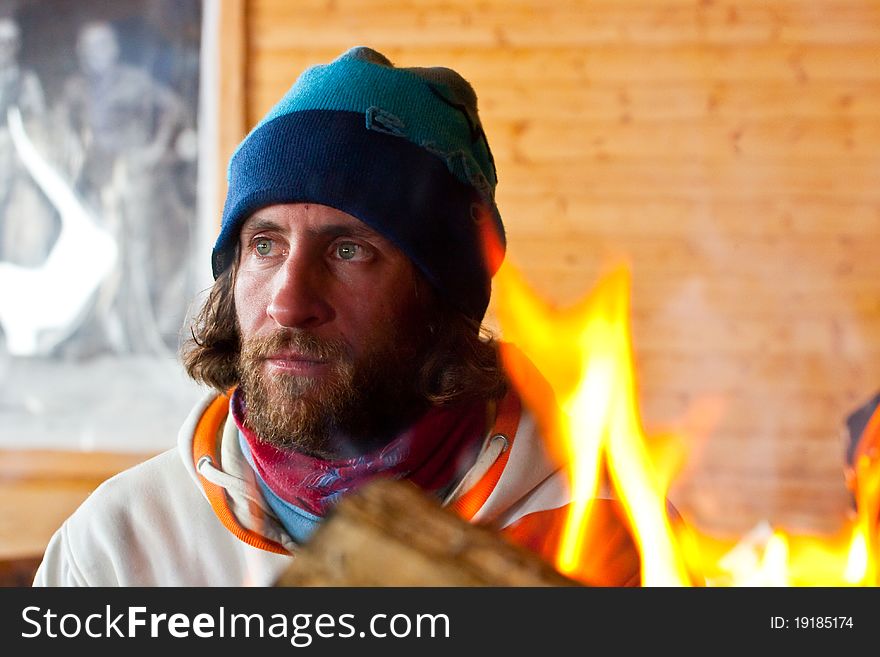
39, 489
729, 150
600, 214
232, 105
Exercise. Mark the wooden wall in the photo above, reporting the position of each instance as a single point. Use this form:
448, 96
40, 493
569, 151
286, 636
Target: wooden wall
730, 149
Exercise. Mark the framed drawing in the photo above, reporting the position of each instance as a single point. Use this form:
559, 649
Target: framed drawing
101, 220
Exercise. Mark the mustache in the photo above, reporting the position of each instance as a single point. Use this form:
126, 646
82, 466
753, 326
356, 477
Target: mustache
302, 342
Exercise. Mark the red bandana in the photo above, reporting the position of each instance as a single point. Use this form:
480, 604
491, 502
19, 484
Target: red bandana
433, 453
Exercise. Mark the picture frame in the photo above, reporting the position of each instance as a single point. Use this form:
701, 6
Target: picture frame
106, 216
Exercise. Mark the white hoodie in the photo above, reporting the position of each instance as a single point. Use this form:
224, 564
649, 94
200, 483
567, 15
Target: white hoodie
153, 525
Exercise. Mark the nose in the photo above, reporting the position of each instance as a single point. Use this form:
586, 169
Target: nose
300, 294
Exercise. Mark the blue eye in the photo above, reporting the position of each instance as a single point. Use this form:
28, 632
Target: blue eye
347, 250
263, 246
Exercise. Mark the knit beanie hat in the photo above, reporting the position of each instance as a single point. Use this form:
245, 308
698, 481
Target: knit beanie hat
400, 149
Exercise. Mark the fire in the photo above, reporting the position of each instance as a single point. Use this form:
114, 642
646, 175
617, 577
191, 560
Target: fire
575, 370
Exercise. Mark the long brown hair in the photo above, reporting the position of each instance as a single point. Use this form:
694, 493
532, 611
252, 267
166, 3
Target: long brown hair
210, 356
461, 364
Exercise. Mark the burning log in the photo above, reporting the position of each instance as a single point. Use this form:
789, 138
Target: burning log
391, 534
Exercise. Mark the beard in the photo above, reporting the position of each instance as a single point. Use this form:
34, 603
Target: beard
355, 406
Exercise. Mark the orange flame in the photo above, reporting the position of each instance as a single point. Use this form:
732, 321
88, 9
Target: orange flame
574, 368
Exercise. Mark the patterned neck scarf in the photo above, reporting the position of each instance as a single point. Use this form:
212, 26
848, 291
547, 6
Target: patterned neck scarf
433, 453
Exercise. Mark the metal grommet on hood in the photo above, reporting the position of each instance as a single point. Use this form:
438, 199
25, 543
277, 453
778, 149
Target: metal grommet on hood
504, 439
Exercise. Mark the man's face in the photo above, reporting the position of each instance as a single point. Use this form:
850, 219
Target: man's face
97, 49
332, 323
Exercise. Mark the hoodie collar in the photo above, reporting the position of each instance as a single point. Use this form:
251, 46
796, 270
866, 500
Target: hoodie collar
512, 461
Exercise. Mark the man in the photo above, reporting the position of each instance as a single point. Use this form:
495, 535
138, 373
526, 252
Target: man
343, 330
123, 124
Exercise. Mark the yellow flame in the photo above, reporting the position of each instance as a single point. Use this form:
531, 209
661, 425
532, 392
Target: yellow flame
857, 561
861, 565
773, 570
585, 355
579, 380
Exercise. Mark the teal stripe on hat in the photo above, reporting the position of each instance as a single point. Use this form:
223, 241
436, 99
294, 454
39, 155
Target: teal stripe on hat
434, 108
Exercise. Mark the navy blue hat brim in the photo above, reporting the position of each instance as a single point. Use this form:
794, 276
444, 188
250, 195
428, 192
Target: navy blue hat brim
403, 191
